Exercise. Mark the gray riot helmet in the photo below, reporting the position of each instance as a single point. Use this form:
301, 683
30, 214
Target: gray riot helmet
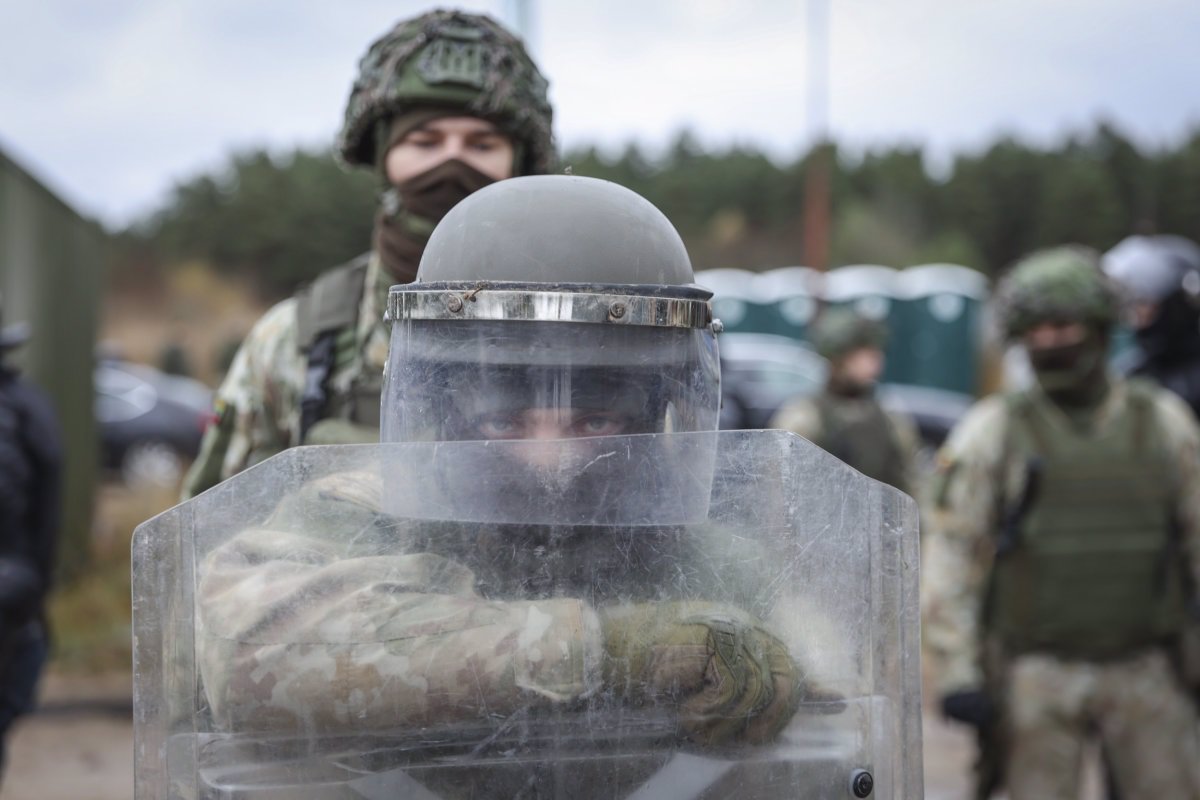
1152, 268
11, 336
1161, 274
551, 307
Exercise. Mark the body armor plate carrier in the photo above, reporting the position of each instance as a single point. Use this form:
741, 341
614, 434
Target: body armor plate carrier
1089, 566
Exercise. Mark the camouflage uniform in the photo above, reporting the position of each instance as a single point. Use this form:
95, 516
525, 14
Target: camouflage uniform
1052, 702
393, 638
258, 405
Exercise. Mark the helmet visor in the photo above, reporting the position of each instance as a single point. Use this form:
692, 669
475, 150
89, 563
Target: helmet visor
492, 379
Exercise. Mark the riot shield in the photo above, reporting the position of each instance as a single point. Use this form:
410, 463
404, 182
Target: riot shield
426, 620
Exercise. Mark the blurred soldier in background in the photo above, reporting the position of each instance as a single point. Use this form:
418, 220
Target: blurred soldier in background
846, 419
444, 105
30, 478
1066, 530
1162, 276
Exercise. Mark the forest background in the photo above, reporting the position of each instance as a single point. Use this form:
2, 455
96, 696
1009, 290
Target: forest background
268, 221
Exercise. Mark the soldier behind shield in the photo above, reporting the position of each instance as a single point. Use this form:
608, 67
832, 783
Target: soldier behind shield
509, 335
554, 577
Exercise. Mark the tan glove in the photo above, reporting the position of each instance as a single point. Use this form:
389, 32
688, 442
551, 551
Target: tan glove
339, 506
731, 678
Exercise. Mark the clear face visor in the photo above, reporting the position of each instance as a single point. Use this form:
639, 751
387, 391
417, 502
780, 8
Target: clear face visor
567, 394
536, 365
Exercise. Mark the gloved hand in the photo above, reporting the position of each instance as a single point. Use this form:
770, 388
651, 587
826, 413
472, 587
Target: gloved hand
972, 706
731, 678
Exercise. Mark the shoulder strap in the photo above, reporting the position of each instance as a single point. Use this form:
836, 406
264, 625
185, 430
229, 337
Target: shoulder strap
330, 303
323, 309
1012, 511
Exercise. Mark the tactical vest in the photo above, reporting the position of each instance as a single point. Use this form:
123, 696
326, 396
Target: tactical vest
327, 334
1088, 565
869, 444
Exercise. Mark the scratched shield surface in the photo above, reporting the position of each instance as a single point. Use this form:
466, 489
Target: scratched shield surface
423, 620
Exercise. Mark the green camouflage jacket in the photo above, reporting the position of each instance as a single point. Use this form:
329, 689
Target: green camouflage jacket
258, 404
300, 633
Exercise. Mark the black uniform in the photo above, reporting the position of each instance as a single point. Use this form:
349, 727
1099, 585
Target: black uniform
30, 477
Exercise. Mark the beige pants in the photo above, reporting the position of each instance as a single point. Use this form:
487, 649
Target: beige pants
1145, 719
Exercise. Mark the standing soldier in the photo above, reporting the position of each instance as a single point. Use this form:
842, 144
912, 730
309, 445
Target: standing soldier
444, 105
846, 418
1066, 532
30, 479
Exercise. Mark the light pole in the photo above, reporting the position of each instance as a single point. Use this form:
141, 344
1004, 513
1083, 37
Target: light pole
819, 170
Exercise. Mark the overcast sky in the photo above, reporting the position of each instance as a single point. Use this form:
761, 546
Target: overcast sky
113, 102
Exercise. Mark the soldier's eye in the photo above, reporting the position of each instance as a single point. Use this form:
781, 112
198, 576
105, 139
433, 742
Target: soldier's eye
423, 140
485, 144
602, 424
499, 426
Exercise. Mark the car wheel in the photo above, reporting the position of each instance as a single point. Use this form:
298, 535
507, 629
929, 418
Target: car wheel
152, 462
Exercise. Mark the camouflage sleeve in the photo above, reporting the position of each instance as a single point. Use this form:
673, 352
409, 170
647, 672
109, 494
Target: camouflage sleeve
800, 416
1183, 439
958, 549
297, 636
257, 405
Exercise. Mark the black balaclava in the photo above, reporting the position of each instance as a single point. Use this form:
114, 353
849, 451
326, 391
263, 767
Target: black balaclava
409, 211
1074, 376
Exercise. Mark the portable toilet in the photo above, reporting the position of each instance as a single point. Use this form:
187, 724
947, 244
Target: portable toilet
939, 308
789, 296
736, 300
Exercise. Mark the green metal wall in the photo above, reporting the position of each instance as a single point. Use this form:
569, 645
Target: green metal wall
51, 268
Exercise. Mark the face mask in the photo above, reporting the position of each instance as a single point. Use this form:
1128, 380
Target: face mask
410, 211
434, 192
1071, 371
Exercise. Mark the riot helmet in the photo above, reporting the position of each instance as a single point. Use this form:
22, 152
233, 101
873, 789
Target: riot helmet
555, 307
550, 308
14, 335
1161, 275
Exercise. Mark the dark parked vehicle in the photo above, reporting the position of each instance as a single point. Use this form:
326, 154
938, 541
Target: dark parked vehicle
150, 423
760, 372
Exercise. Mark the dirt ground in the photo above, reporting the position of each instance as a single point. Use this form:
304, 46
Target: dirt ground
79, 747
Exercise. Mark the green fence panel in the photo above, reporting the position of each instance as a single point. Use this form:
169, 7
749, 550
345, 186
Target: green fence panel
51, 268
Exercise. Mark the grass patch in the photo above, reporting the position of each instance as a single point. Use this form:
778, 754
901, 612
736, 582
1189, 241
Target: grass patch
90, 615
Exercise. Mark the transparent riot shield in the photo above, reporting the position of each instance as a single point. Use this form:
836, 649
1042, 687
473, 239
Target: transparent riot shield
434, 620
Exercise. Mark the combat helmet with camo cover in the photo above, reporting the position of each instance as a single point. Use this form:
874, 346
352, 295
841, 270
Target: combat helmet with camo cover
839, 331
1058, 284
457, 60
